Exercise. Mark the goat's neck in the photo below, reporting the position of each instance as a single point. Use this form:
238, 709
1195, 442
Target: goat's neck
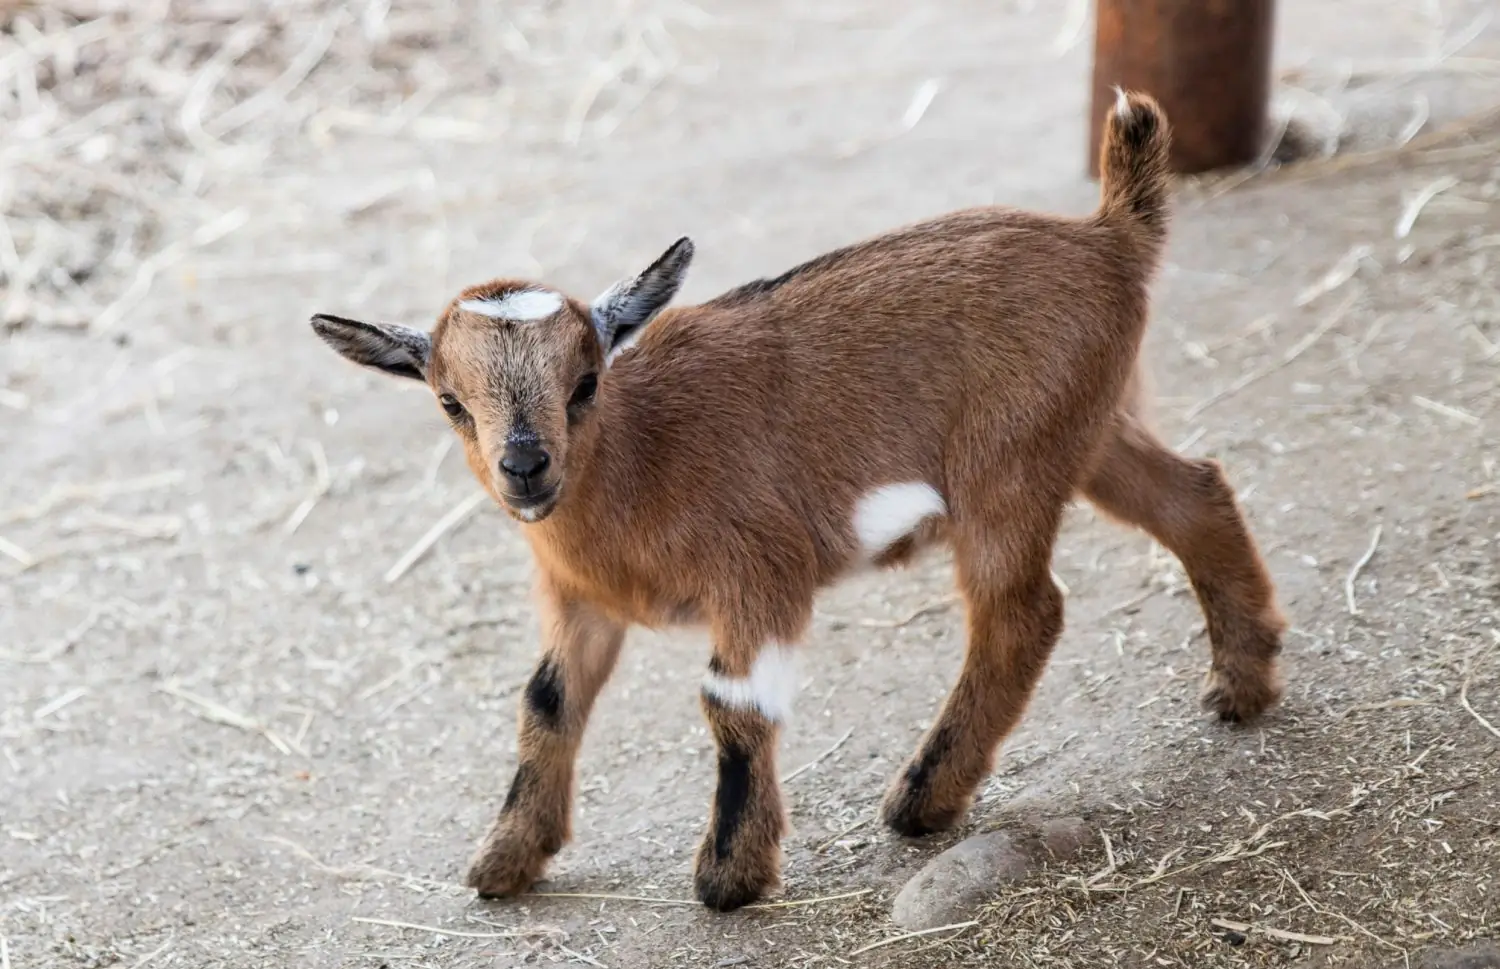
584, 535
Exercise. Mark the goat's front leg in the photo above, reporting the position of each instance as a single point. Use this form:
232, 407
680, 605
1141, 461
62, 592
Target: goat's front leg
746, 697
581, 647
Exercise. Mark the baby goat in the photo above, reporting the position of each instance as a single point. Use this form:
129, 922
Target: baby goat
956, 381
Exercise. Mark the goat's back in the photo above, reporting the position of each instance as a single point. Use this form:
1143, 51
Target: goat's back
777, 406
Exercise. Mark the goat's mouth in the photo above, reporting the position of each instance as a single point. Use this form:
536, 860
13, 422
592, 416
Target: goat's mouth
534, 507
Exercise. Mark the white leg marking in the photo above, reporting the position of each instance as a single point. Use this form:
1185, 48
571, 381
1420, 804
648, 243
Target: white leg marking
523, 305
891, 512
768, 689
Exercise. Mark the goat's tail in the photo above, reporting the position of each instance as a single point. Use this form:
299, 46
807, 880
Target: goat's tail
1133, 169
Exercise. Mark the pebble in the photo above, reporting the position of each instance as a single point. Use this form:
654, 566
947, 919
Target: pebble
1065, 837
1482, 955
957, 882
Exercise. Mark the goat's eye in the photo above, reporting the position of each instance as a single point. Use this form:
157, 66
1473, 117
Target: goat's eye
583, 394
451, 405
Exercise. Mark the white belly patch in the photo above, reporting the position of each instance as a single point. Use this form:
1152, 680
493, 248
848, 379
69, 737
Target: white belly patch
892, 512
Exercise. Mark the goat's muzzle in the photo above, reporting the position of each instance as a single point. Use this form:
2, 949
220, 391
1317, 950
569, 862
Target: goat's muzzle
527, 487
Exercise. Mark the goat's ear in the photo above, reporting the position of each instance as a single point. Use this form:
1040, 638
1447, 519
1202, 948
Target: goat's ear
388, 347
625, 308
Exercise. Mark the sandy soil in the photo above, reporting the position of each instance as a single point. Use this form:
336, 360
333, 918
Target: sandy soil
227, 741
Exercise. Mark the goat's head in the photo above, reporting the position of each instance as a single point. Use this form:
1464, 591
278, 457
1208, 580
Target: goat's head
517, 368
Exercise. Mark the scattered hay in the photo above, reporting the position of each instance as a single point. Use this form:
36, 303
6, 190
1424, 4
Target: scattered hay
1413, 210
450, 520
455, 933
1456, 414
934, 607
1359, 565
1286, 359
215, 712
66, 494
1463, 696
369, 873
118, 114
955, 928
788, 778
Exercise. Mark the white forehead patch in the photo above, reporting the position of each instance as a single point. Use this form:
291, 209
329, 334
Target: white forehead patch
891, 512
522, 306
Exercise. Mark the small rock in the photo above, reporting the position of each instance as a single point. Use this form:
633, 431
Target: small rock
1065, 837
1306, 136
961, 879
1482, 955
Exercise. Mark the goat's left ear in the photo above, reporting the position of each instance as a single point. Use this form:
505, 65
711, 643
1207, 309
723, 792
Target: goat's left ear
623, 310
388, 347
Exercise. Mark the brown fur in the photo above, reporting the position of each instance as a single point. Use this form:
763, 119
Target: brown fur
989, 353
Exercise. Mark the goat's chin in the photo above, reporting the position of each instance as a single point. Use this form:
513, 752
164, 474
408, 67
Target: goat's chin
530, 515
530, 511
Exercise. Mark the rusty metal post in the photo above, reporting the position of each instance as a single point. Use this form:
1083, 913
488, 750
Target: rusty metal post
1208, 62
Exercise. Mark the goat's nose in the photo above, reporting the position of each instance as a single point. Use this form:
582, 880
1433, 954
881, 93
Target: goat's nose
523, 462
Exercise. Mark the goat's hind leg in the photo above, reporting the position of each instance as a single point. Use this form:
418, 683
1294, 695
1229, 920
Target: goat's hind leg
1189, 508
1015, 616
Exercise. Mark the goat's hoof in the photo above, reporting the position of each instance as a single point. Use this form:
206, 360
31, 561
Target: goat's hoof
723, 891
503, 869
727, 884
1235, 696
910, 812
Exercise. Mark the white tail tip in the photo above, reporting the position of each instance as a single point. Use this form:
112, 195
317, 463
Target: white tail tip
1122, 103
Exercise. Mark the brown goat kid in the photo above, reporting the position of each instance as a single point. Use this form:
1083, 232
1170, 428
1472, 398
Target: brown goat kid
959, 381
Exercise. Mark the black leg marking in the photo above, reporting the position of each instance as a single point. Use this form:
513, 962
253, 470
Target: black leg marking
919, 774
519, 784
544, 694
904, 814
733, 797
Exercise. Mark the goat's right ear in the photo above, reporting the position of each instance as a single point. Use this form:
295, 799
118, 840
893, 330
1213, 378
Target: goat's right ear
622, 311
388, 347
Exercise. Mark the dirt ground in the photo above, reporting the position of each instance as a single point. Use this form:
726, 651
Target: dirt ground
226, 740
